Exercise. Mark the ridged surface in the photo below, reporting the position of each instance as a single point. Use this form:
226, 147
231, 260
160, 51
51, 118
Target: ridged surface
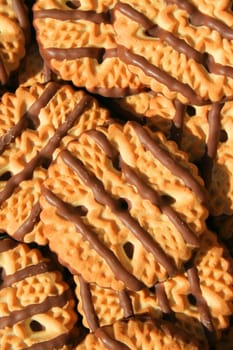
76, 252
23, 166
108, 76
35, 304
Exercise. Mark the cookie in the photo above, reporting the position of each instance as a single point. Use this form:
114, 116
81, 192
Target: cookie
34, 123
77, 41
198, 300
125, 224
181, 49
109, 306
204, 132
37, 306
134, 334
15, 30
205, 291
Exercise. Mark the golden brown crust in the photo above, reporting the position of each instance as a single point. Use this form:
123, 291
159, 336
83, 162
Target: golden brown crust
176, 298
35, 122
114, 230
109, 304
83, 49
214, 268
165, 45
36, 306
203, 132
13, 37
131, 222
141, 335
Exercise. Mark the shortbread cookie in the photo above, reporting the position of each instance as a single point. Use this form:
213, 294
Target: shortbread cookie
77, 41
37, 307
15, 31
34, 123
211, 301
204, 132
113, 207
109, 306
197, 300
134, 334
180, 48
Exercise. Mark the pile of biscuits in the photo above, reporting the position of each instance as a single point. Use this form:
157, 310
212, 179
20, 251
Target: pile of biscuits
116, 175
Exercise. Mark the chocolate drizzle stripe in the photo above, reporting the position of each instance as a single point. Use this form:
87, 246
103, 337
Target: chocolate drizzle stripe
12, 133
109, 342
217, 68
29, 223
47, 151
7, 244
110, 53
22, 16
104, 144
28, 271
144, 190
43, 100
3, 73
30, 117
47, 73
74, 15
197, 18
15, 180
124, 216
126, 303
207, 161
156, 31
133, 14
163, 156
75, 53
149, 69
67, 211
87, 305
214, 117
177, 123
178, 44
92, 319
34, 309
162, 299
202, 306
149, 193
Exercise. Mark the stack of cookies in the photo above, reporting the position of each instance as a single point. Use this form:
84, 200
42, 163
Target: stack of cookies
116, 175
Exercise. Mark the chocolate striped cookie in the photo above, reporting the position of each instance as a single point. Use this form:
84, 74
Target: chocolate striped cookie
180, 48
37, 307
123, 207
135, 334
35, 122
77, 41
198, 300
15, 31
203, 132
